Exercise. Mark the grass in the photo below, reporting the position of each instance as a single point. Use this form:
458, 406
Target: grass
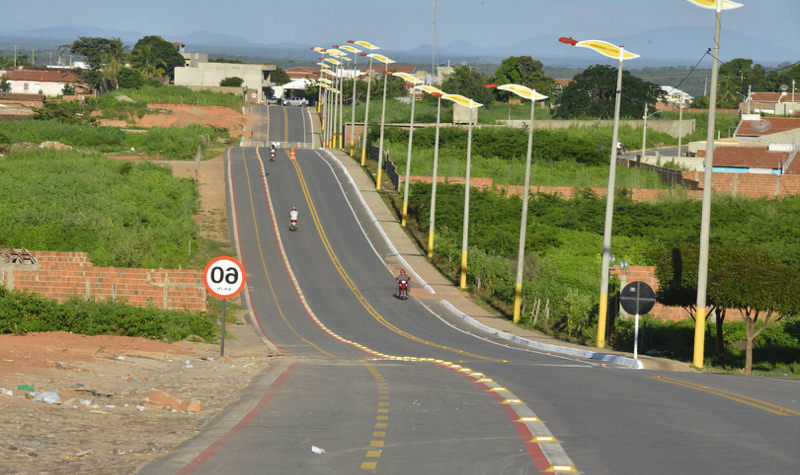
22, 312
122, 214
111, 106
162, 142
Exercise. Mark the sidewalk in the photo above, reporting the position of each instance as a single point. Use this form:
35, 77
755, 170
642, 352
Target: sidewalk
439, 290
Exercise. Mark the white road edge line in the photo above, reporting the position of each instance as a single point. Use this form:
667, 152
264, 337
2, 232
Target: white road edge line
378, 226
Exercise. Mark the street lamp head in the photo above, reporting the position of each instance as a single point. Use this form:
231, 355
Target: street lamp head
490, 86
568, 40
362, 54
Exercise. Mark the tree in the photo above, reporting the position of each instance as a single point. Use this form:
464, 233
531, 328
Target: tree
232, 81
153, 52
592, 94
762, 287
130, 78
105, 57
466, 81
67, 90
279, 77
526, 71
5, 84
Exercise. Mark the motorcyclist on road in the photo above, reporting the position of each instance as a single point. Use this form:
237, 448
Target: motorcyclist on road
403, 281
293, 214
272, 150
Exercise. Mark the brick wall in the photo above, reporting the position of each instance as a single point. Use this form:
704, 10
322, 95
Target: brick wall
61, 275
739, 184
750, 185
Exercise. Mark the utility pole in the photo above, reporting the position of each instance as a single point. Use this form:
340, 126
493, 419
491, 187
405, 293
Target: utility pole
33, 57
680, 127
15, 55
705, 86
51, 59
749, 92
433, 46
644, 133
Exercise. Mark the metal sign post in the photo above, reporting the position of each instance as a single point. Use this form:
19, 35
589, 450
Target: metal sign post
224, 278
637, 298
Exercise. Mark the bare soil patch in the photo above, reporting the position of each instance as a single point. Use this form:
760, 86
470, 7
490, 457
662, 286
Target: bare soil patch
181, 115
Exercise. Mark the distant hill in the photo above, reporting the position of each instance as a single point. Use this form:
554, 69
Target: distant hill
676, 46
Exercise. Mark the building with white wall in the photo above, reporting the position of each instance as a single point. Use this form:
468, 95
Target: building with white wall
42, 81
256, 77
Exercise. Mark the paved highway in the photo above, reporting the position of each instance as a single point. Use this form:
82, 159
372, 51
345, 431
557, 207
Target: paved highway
400, 387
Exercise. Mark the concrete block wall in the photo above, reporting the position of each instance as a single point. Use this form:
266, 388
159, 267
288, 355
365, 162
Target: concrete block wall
750, 185
61, 275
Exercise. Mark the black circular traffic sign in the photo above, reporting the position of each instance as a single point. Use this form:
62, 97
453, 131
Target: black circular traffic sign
637, 298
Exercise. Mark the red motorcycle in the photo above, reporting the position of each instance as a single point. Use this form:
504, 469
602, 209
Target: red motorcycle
402, 289
292, 224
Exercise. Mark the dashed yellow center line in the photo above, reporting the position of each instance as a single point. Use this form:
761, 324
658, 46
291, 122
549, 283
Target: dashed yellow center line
378, 436
357, 292
736, 397
264, 264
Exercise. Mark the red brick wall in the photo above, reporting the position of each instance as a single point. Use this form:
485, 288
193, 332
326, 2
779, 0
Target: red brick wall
62, 275
750, 185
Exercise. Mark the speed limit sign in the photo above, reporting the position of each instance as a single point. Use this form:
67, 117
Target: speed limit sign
224, 277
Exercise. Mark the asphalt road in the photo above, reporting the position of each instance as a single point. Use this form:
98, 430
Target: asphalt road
373, 380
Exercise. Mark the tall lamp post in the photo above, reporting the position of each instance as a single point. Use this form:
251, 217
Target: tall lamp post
324, 84
386, 62
471, 105
336, 94
615, 52
411, 82
705, 220
371, 47
328, 110
436, 92
533, 96
644, 129
341, 56
355, 52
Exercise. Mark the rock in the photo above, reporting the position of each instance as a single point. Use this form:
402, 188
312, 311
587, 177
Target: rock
166, 400
195, 406
54, 145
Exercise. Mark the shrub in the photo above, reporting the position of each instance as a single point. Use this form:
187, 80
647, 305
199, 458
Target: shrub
130, 78
232, 81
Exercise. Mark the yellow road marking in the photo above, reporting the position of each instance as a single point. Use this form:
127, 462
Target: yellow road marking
379, 433
263, 261
285, 125
376, 443
374, 453
381, 425
740, 398
382, 418
368, 465
354, 289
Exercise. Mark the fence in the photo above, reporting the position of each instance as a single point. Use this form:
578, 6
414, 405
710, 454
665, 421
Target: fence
666, 175
388, 166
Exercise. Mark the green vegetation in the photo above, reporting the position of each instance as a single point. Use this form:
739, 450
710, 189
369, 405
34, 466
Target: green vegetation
170, 142
150, 94
22, 312
566, 157
232, 82
123, 214
563, 254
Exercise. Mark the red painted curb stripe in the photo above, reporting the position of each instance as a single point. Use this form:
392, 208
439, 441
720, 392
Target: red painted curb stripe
241, 252
212, 449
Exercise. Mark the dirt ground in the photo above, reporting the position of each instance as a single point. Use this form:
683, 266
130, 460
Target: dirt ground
181, 115
105, 422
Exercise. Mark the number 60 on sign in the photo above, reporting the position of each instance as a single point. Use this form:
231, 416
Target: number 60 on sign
224, 277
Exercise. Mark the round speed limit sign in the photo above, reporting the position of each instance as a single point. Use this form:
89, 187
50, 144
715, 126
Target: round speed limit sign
224, 277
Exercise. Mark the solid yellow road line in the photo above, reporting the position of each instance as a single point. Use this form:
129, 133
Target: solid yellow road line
354, 289
368, 465
285, 125
736, 397
263, 261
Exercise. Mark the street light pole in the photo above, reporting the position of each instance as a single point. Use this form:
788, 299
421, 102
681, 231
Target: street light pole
366, 116
383, 121
411, 82
680, 128
619, 53
644, 134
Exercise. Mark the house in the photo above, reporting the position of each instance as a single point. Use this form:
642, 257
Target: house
19, 106
46, 82
766, 130
771, 160
779, 103
302, 72
190, 59
674, 99
207, 75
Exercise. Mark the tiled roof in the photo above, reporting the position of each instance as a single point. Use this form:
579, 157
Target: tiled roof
765, 96
746, 157
766, 126
564, 82
21, 97
42, 76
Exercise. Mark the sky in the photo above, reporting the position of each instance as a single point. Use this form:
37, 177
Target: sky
402, 24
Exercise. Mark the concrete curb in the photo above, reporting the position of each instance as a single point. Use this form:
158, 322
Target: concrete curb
374, 221
564, 350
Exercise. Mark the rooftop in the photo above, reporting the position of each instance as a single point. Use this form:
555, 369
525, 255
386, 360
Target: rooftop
766, 126
747, 157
